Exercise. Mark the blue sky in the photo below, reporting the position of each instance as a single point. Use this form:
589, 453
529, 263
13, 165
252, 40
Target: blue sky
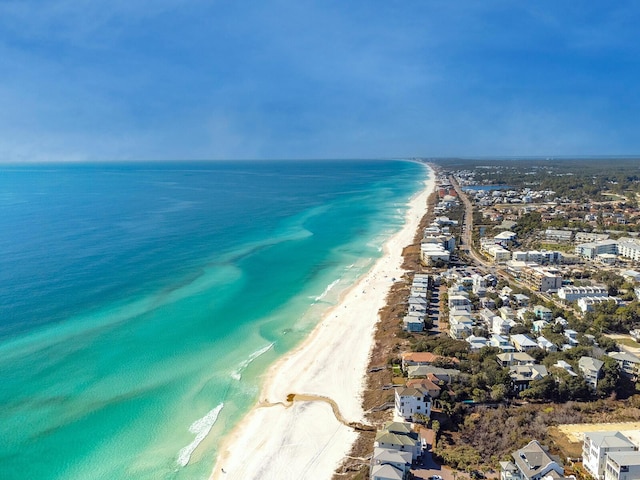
212, 79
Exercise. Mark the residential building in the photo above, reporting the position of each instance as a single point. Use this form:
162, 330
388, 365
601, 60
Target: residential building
586, 304
447, 242
522, 375
590, 368
387, 472
572, 336
558, 235
476, 343
543, 313
498, 253
629, 363
509, 359
427, 385
399, 461
410, 359
522, 342
521, 299
498, 341
572, 294
531, 462
507, 313
622, 466
410, 401
399, 436
539, 325
499, 326
413, 323
597, 445
592, 249
629, 248
541, 279
582, 237
434, 253
546, 345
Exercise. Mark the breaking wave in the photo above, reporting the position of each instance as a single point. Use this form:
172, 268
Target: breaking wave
237, 374
201, 428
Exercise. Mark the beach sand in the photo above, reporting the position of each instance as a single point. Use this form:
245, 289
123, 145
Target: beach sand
282, 440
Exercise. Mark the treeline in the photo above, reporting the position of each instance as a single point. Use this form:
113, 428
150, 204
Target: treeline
580, 179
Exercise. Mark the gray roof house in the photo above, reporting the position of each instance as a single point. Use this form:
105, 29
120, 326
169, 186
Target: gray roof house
531, 462
388, 464
590, 368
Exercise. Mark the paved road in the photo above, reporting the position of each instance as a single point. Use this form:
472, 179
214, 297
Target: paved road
467, 229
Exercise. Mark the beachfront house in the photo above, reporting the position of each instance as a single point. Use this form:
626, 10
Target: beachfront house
412, 403
388, 464
413, 323
410, 359
399, 436
596, 447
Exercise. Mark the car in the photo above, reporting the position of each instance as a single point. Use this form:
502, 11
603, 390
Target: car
435, 477
478, 475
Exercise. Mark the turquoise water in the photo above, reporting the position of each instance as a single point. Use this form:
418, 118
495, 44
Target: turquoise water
141, 303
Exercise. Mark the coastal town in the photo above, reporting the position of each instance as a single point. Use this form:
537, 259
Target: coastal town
510, 348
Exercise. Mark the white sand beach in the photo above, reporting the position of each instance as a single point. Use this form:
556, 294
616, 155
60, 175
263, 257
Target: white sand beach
305, 440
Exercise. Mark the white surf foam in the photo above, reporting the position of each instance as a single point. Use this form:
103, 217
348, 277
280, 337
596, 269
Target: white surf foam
327, 290
201, 428
237, 375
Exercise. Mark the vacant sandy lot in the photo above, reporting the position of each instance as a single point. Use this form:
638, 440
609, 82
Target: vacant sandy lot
575, 432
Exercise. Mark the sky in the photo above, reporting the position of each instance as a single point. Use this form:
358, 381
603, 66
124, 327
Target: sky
99, 80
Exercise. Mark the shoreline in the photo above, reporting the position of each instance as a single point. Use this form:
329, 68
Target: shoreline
283, 437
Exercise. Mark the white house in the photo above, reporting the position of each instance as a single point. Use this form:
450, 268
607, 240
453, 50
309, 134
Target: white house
597, 445
586, 304
572, 294
622, 466
476, 343
514, 358
523, 343
546, 345
500, 326
411, 401
498, 341
629, 363
590, 368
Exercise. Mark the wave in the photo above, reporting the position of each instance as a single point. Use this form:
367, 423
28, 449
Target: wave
237, 374
201, 428
327, 290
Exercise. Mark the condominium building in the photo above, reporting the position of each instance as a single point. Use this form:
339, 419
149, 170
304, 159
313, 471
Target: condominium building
541, 279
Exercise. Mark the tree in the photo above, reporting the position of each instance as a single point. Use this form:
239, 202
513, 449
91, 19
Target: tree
610, 376
542, 389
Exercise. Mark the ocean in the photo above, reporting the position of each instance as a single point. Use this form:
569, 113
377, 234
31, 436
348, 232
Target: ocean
141, 303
